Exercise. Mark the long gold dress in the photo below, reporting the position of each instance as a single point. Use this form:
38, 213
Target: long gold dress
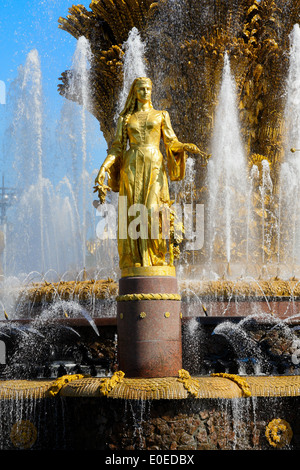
140, 175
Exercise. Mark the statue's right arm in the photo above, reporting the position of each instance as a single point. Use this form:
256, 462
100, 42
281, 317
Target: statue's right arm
114, 152
108, 162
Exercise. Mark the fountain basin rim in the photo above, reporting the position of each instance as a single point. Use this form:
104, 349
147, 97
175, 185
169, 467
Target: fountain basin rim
168, 388
107, 321
112, 321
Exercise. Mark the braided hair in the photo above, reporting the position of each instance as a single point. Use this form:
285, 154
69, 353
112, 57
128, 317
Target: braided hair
129, 109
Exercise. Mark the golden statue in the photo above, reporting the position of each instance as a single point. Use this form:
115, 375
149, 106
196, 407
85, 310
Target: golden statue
139, 172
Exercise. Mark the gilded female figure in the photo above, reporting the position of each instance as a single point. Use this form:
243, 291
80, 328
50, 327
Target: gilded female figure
138, 171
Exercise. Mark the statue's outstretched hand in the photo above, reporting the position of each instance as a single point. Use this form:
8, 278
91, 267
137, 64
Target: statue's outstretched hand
192, 148
100, 187
100, 177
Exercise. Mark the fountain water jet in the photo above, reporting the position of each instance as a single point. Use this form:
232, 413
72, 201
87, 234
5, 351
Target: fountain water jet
134, 64
226, 176
193, 392
58, 238
289, 228
81, 62
265, 191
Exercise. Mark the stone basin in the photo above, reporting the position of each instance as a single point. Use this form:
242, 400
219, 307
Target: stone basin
181, 413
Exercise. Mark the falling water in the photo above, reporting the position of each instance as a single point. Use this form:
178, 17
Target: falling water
227, 178
265, 189
185, 210
33, 75
253, 177
27, 122
27, 135
288, 210
288, 245
190, 207
134, 63
81, 63
47, 227
60, 233
244, 346
293, 95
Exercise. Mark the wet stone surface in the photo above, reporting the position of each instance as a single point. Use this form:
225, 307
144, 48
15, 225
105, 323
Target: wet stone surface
237, 424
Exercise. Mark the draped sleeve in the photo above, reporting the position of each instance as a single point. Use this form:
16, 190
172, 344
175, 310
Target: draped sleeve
116, 151
176, 155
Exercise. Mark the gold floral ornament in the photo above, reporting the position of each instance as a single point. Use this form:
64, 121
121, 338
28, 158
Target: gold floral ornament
240, 381
143, 315
57, 385
108, 384
23, 434
167, 314
279, 433
191, 385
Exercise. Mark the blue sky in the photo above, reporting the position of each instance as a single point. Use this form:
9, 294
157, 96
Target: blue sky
29, 24
33, 24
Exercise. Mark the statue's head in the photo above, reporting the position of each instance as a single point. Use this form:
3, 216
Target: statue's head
140, 90
143, 89
142, 82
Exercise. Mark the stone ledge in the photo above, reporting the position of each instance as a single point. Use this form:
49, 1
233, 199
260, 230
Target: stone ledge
220, 289
169, 388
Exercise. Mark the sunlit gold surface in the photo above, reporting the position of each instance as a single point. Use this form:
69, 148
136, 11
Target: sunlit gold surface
255, 35
261, 288
104, 289
149, 271
17, 389
170, 388
138, 173
202, 388
106, 26
69, 290
279, 433
155, 296
274, 386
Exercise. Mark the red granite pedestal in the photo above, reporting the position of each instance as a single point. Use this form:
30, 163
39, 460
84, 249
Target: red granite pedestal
149, 326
